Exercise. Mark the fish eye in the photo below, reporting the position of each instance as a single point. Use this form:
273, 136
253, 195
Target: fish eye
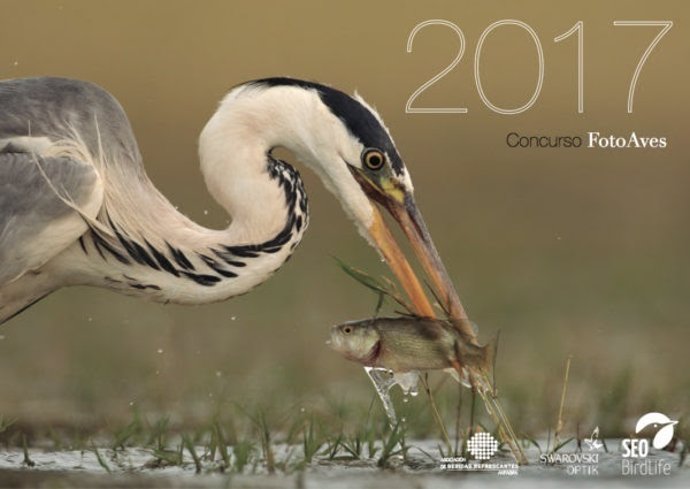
373, 158
347, 329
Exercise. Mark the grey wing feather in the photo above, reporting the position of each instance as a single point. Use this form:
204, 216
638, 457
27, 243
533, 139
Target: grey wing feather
35, 222
59, 108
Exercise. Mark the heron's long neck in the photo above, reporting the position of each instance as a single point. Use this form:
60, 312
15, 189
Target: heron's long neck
234, 147
162, 254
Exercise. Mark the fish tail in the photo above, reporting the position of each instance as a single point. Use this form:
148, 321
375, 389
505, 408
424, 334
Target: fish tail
477, 358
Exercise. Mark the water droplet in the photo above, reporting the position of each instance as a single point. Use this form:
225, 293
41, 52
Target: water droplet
210, 394
406, 399
403, 419
89, 319
131, 403
2, 337
206, 212
16, 63
301, 410
158, 372
159, 351
233, 318
219, 373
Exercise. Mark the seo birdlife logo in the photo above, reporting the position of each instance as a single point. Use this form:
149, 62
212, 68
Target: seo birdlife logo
635, 451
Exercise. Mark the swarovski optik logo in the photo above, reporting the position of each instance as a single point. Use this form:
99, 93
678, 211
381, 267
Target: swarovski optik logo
593, 442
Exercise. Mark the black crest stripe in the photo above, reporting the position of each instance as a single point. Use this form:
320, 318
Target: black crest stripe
358, 119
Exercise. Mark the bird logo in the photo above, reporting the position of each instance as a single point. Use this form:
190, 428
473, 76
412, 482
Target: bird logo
663, 424
593, 442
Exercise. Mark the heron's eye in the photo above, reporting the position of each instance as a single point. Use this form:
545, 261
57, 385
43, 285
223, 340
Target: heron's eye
373, 159
347, 330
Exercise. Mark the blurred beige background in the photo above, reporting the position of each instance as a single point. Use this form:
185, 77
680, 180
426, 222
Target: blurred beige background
567, 252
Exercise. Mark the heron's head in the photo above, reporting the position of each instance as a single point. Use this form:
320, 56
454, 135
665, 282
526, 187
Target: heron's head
346, 142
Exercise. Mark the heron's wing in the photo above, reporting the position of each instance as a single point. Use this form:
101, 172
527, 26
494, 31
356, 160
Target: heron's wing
40, 203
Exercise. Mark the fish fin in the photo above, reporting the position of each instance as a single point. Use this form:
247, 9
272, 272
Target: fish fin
486, 354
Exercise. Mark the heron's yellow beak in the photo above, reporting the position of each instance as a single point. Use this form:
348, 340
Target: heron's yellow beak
403, 209
398, 263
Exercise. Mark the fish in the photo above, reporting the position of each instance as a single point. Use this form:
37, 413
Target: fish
407, 344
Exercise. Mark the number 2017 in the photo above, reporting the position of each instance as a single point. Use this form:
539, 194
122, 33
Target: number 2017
577, 29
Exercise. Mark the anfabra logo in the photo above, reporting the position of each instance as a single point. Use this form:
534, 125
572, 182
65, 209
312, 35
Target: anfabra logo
635, 451
482, 445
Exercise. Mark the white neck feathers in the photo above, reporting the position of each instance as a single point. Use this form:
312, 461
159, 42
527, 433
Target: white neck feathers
249, 123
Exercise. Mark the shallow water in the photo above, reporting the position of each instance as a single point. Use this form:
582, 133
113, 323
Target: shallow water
132, 468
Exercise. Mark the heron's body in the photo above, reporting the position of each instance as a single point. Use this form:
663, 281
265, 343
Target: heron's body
74, 138
77, 208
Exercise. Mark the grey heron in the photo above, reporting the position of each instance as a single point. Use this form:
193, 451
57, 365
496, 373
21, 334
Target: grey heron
77, 208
